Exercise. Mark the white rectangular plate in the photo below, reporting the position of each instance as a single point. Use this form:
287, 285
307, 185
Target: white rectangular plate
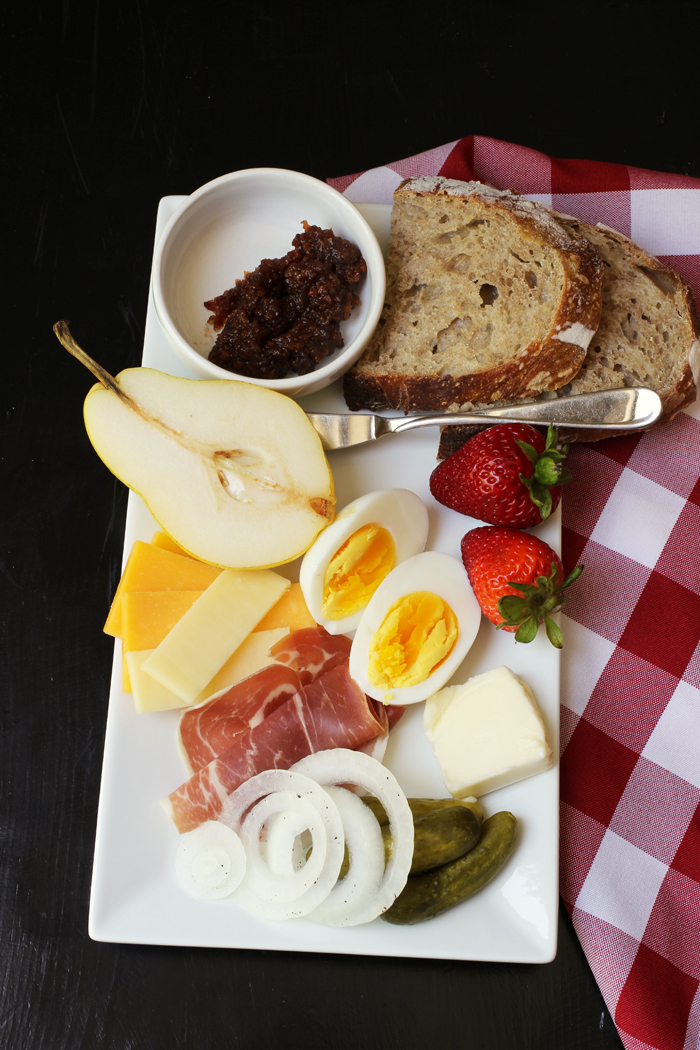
135, 894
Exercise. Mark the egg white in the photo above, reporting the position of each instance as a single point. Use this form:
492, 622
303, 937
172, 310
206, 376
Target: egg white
431, 571
399, 511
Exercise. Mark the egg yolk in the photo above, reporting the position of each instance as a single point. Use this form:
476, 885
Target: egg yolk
356, 570
417, 634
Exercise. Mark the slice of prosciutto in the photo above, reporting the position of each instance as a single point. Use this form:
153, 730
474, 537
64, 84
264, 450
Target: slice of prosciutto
330, 712
393, 713
377, 747
210, 728
312, 652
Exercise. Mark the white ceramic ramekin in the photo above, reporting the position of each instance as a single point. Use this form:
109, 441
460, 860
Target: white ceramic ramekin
226, 228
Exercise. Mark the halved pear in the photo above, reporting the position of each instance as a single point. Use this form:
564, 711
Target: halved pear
234, 472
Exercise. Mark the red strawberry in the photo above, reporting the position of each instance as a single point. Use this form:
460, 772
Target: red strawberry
518, 580
506, 475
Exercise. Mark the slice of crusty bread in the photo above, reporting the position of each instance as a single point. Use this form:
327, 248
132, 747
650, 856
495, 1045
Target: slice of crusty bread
648, 335
649, 331
488, 298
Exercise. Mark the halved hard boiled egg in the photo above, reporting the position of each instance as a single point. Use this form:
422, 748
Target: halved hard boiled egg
416, 630
347, 563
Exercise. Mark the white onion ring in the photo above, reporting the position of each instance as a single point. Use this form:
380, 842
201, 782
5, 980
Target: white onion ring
210, 861
277, 890
273, 873
281, 842
342, 766
352, 895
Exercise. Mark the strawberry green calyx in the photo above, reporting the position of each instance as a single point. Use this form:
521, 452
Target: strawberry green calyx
538, 601
548, 471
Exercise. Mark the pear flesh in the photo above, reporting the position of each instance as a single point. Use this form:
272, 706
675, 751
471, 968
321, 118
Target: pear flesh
234, 472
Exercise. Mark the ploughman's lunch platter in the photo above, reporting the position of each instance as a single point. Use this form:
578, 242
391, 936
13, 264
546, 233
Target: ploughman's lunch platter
334, 711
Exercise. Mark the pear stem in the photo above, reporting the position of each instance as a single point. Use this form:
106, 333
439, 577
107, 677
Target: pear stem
63, 334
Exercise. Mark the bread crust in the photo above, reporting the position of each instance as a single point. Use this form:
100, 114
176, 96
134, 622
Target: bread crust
682, 391
452, 438
679, 393
546, 363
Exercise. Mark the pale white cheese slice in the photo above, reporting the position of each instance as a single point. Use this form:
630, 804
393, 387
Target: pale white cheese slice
487, 733
211, 630
250, 656
148, 694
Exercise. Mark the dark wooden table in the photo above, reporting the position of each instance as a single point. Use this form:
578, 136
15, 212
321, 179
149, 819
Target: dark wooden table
107, 107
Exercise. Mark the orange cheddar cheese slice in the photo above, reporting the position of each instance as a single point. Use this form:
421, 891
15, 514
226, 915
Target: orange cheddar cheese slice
161, 539
147, 616
152, 568
126, 677
290, 611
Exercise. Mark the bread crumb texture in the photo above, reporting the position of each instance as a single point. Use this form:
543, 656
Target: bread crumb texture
649, 335
488, 297
648, 324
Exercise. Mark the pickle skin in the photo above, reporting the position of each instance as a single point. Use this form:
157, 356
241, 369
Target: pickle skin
428, 895
421, 806
439, 836
442, 834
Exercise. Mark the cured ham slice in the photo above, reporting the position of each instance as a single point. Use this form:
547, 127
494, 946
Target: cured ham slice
312, 652
388, 715
394, 713
330, 712
210, 728
382, 713
376, 748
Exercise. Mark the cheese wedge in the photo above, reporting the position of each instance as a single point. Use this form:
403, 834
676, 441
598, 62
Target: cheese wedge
290, 611
151, 568
210, 632
487, 733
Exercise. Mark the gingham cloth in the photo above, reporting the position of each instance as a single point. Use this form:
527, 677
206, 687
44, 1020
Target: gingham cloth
630, 728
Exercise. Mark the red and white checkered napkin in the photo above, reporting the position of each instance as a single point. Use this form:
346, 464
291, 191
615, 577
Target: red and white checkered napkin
630, 737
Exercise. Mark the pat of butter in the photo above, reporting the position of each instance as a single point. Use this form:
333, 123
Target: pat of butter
487, 733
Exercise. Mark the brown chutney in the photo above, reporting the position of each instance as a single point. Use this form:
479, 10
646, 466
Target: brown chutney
285, 316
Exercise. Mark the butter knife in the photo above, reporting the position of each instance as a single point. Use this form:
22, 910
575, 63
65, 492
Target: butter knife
626, 409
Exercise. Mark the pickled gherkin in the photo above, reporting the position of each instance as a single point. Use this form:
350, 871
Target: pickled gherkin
421, 806
439, 835
432, 893
443, 829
